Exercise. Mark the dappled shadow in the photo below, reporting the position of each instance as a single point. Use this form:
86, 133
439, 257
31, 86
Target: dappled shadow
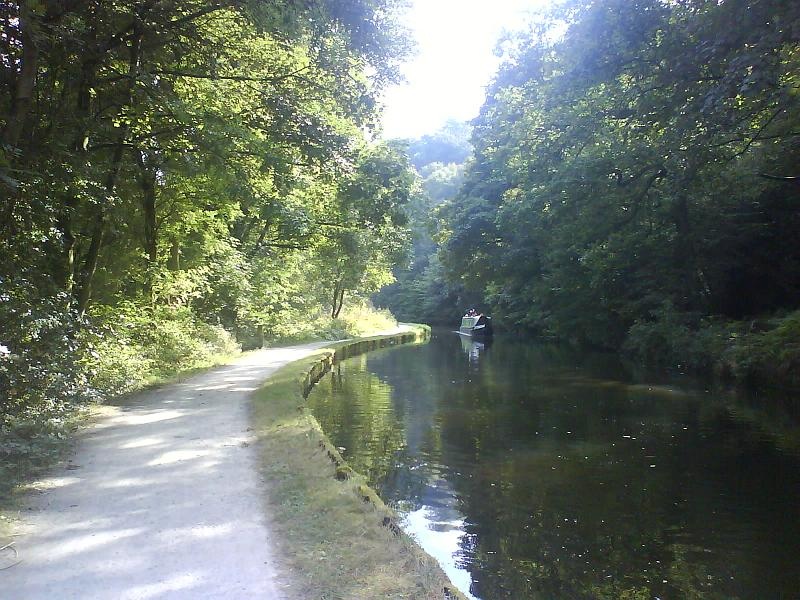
161, 500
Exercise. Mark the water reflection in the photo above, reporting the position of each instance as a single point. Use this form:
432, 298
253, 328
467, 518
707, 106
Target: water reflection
474, 348
542, 473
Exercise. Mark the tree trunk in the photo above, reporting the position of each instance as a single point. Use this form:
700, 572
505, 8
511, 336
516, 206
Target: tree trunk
175, 256
692, 280
147, 181
98, 232
26, 81
335, 301
68, 242
90, 262
83, 110
260, 336
340, 303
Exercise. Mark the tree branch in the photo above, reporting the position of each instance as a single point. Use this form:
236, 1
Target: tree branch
200, 13
757, 135
270, 79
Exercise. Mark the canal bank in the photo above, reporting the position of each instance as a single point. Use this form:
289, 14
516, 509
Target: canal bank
335, 534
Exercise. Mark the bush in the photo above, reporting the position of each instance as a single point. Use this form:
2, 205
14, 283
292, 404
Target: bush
42, 378
682, 340
667, 339
118, 365
40, 367
753, 350
361, 318
769, 356
358, 318
133, 345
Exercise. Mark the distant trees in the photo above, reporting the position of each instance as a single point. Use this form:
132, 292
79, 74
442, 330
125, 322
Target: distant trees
422, 292
639, 163
447, 146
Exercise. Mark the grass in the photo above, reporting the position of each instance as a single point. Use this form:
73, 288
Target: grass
358, 318
334, 532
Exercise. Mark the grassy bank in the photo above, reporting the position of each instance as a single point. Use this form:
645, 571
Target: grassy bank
335, 533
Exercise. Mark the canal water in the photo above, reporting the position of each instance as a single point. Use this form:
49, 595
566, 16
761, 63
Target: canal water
531, 471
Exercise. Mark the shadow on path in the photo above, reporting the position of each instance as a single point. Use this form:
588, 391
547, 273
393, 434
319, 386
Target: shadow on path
160, 500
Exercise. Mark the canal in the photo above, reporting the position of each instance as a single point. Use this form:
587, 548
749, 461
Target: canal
532, 471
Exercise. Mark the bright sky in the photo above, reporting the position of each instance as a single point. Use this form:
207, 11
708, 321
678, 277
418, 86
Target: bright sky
455, 61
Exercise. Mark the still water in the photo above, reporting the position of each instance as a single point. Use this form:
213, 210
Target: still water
531, 471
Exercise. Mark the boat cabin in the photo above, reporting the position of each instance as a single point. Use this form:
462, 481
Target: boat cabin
476, 326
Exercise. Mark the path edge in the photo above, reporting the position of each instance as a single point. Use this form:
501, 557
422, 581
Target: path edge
285, 393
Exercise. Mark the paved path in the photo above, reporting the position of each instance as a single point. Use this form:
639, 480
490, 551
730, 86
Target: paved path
160, 501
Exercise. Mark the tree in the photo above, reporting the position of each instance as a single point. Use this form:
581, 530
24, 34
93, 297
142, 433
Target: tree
370, 237
421, 291
167, 160
619, 165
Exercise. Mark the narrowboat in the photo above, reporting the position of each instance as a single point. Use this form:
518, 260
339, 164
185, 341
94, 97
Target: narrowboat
476, 325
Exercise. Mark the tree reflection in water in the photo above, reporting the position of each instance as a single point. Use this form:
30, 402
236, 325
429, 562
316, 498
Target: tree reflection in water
561, 476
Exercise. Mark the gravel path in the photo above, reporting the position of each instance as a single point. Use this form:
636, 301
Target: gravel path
161, 500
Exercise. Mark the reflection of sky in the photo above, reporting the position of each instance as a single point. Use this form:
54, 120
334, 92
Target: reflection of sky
472, 348
419, 492
441, 534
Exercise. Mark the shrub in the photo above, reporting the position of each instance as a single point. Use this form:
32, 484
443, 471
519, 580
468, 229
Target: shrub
133, 345
358, 318
771, 355
683, 340
40, 368
753, 350
42, 377
666, 339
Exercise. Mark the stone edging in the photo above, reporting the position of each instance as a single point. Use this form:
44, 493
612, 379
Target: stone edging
330, 357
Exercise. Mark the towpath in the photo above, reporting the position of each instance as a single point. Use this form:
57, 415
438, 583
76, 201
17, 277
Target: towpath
161, 500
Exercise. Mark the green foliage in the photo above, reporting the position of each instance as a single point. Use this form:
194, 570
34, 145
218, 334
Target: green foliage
361, 319
769, 356
30, 443
422, 292
681, 340
448, 145
168, 172
40, 353
132, 346
634, 176
173, 156
756, 351
358, 250
42, 379
358, 318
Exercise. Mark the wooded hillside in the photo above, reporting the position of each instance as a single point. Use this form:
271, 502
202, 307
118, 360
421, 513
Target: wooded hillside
634, 182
